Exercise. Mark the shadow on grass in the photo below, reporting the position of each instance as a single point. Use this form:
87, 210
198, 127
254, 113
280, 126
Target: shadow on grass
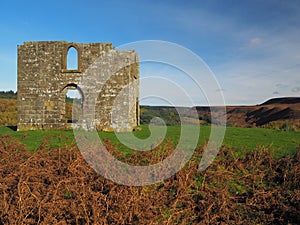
13, 128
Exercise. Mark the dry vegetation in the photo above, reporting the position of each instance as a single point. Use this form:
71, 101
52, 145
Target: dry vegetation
56, 186
284, 125
8, 112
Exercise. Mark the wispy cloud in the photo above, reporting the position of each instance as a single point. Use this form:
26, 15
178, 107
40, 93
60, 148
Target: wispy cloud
253, 73
255, 57
296, 89
255, 41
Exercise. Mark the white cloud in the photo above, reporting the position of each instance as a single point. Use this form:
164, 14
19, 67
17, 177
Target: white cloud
252, 75
296, 89
255, 41
256, 57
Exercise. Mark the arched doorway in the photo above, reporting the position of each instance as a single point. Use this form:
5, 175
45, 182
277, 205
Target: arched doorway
73, 104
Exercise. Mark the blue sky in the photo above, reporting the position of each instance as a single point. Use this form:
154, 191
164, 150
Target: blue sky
253, 47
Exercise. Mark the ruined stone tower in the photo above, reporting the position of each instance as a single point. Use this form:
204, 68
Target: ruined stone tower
107, 80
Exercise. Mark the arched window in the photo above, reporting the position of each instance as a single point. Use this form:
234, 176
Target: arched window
71, 62
72, 59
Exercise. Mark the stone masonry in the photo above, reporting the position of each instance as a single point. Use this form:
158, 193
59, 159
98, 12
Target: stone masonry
106, 78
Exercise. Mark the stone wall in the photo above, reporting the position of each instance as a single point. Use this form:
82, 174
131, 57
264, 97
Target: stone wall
108, 80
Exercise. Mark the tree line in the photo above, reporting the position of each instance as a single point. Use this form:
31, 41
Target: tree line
8, 94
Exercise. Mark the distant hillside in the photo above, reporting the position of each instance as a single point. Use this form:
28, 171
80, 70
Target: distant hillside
277, 112
276, 109
8, 112
281, 113
167, 113
290, 100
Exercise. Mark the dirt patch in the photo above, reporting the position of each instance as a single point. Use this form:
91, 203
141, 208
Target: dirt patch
56, 186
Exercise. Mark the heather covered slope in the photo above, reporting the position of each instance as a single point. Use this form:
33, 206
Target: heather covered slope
277, 109
8, 112
282, 110
56, 186
284, 100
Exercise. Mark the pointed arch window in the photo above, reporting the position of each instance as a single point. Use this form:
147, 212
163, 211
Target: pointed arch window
71, 59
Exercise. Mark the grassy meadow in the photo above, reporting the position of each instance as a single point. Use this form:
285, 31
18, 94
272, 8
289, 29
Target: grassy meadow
239, 139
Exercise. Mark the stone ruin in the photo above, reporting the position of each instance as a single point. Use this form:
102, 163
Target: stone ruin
107, 80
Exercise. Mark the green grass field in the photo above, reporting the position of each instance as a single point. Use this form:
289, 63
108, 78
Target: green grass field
239, 139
